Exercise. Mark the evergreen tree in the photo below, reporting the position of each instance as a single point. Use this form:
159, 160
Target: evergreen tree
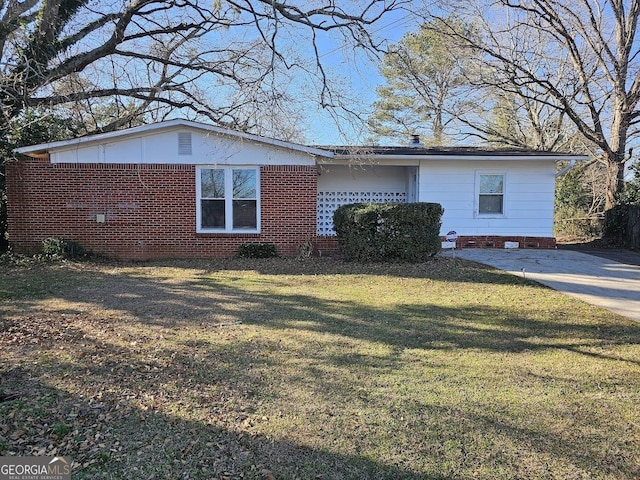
426, 87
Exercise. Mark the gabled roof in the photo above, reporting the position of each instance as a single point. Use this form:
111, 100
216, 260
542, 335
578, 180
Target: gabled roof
332, 151
442, 153
34, 150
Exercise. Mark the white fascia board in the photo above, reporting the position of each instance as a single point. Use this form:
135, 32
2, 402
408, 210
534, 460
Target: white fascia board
168, 125
362, 159
414, 159
409, 161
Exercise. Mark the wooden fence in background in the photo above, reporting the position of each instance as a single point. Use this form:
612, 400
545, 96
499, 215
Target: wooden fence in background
622, 224
633, 226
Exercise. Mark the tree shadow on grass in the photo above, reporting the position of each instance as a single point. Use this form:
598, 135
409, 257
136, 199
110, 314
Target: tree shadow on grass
424, 325
108, 438
189, 409
438, 268
130, 299
111, 328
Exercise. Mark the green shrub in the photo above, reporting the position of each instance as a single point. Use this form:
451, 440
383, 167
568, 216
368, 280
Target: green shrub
58, 247
389, 231
257, 250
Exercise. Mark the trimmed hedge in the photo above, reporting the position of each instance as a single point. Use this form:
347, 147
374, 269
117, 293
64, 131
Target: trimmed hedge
389, 231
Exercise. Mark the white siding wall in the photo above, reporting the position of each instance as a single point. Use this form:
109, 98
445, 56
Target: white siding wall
373, 178
339, 185
528, 204
162, 147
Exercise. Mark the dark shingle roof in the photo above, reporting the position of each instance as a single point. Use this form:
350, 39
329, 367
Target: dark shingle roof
453, 151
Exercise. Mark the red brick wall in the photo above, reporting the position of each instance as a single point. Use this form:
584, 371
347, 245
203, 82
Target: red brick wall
150, 209
326, 245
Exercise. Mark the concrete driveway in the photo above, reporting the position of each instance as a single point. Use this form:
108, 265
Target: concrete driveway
596, 280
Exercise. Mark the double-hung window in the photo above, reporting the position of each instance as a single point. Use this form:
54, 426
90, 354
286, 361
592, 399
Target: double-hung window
228, 199
490, 188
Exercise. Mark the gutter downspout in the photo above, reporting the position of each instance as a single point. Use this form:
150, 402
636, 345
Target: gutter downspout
572, 163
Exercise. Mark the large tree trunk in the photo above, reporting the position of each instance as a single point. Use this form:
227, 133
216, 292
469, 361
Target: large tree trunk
615, 179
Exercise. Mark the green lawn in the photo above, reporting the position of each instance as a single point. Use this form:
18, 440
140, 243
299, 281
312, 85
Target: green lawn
315, 369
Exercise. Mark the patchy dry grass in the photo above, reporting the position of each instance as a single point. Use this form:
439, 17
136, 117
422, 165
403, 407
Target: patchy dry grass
280, 369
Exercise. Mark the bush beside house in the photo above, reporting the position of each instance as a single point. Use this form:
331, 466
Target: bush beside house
389, 231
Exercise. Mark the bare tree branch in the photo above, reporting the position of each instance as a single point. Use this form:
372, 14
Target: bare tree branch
588, 70
43, 43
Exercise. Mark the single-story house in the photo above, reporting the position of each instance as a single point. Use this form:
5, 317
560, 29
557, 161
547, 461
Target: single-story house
185, 189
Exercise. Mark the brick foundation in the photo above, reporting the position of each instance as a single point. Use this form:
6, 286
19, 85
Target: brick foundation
150, 210
328, 245
492, 241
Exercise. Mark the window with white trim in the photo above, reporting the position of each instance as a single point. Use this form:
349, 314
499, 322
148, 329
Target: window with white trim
490, 188
228, 199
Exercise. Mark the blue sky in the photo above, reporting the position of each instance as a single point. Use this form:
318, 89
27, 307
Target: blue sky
358, 75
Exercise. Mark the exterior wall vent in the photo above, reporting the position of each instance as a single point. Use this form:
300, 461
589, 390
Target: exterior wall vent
184, 143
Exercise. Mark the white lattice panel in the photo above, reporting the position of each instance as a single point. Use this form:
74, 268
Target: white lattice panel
328, 202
